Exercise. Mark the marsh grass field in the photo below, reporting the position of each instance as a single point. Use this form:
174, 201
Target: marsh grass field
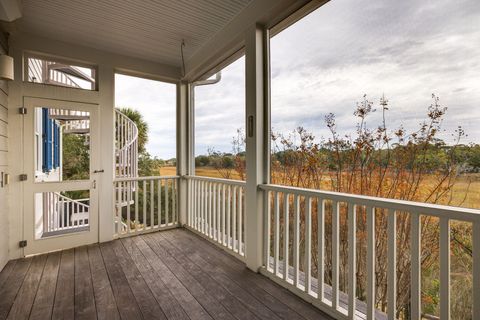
466, 190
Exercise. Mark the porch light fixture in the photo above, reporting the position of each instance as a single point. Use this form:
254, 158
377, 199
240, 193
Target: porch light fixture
6, 67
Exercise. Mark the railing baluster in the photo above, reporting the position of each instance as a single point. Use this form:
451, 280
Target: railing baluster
159, 202
223, 216
219, 213
415, 278
444, 268
392, 264
296, 240
174, 202
267, 229
335, 253
352, 261
213, 210
308, 245
285, 235
136, 204
240, 220
128, 209
144, 189
166, 202
321, 249
476, 269
234, 219
229, 210
276, 233
370, 212
152, 204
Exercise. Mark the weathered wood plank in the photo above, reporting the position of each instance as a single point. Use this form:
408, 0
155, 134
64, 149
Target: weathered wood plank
7, 270
25, 297
191, 306
210, 304
64, 307
43, 304
168, 303
231, 265
84, 296
145, 299
11, 286
229, 301
242, 294
104, 299
126, 303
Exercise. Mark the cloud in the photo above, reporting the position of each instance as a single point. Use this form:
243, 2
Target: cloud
327, 61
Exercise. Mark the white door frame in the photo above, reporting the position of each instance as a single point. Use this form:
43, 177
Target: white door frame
30, 187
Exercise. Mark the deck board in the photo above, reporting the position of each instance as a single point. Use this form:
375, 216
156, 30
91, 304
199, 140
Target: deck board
64, 306
164, 275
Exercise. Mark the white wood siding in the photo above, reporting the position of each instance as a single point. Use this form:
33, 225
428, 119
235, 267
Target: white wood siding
4, 232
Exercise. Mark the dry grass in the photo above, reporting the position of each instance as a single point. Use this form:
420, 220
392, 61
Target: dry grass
466, 191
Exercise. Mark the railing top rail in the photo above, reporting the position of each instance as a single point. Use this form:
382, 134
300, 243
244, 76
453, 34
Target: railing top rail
145, 178
217, 180
456, 213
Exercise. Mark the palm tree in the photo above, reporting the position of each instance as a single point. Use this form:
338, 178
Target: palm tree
142, 126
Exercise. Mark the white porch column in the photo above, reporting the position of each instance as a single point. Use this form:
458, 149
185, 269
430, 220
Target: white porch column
106, 80
182, 150
257, 141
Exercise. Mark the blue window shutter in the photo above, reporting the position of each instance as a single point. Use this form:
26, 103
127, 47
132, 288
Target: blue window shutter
44, 139
56, 137
49, 149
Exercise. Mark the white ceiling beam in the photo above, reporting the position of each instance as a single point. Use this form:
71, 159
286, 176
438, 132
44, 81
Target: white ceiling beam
10, 10
231, 38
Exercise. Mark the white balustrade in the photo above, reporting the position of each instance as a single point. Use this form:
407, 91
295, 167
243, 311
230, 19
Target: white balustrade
145, 204
216, 210
289, 261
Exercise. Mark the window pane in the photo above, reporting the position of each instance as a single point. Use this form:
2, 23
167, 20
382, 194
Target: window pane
219, 125
60, 74
62, 145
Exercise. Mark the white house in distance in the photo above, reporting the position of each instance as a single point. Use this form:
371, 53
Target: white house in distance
83, 235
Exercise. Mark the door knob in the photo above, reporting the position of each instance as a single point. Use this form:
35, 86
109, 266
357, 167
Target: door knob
99, 171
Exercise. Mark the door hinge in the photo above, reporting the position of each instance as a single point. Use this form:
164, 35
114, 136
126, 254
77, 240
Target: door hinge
22, 110
23, 177
22, 243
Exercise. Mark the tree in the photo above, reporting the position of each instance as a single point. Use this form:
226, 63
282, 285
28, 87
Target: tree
142, 126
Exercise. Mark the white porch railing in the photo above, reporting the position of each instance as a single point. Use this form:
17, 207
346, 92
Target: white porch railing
289, 261
216, 210
63, 214
145, 204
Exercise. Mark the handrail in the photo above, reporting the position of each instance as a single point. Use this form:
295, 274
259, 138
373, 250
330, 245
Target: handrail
145, 178
126, 146
216, 180
436, 210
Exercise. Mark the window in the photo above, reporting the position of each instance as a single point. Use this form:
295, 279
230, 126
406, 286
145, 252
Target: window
380, 99
59, 73
219, 124
151, 105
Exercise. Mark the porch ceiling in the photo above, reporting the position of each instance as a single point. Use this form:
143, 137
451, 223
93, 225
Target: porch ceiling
151, 30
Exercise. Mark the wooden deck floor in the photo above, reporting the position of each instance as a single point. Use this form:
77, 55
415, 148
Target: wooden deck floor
165, 275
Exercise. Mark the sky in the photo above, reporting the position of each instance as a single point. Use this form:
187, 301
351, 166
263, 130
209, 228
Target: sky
406, 50
156, 101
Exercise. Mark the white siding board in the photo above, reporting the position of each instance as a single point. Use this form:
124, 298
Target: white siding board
3, 129
3, 160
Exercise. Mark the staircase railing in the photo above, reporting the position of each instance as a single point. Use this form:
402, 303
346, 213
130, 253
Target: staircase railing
126, 146
63, 213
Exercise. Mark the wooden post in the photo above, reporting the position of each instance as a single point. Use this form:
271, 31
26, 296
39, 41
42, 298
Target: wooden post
257, 141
